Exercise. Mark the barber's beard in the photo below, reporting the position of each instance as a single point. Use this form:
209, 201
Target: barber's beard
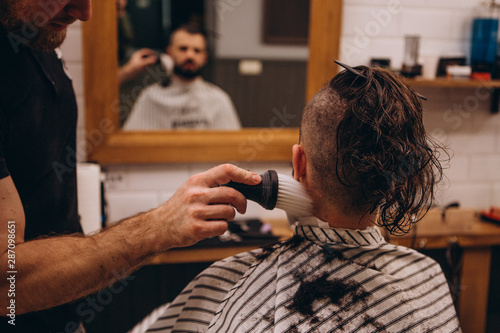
187, 73
28, 33
46, 39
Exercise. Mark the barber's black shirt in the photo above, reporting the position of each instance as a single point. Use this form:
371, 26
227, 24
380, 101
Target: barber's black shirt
38, 116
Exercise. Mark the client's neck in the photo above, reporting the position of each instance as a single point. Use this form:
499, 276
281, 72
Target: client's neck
342, 218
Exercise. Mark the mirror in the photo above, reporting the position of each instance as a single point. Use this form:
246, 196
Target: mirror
108, 144
260, 69
253, 66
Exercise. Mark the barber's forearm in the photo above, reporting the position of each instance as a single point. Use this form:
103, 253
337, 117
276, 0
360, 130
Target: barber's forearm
128, 72
57, 270
124, 75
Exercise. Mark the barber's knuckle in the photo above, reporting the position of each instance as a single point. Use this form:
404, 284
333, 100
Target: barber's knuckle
190, 212
227, 193
195, 178
235, 197
228, 168
231, 214
227, 211
193, 195
196, 211
197, 229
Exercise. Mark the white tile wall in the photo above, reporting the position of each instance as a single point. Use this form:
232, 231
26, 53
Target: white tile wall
496, 193
498, 140
457, 169
380, 22
460, 118
473, 176
469, 194
437, 24
485, 167
155, 184
127, 203
450, 5
157, 177
377, 28
72, 55
72, 46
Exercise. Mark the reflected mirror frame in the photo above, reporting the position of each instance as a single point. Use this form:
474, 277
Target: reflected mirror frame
107, 144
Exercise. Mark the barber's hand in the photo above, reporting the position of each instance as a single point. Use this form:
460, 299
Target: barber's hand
201, 207
137, 64
143, 58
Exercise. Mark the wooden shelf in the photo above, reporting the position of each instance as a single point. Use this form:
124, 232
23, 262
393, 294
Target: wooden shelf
460, 225
494, 85
450, 83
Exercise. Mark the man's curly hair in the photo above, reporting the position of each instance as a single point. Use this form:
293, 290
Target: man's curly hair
365, 139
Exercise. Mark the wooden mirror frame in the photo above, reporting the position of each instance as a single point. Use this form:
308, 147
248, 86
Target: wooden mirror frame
106, 143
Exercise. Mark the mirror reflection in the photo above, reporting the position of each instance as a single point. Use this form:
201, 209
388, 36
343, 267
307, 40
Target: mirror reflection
211, 64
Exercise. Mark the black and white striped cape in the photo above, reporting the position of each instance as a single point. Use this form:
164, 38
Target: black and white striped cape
322, 280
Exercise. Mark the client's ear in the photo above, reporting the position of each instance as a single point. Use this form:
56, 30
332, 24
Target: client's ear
299, 162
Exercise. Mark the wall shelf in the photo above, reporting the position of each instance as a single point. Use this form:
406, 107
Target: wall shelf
460, 83
493, 85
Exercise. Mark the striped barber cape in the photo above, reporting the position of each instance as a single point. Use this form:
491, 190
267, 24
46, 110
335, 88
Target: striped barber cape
321, 280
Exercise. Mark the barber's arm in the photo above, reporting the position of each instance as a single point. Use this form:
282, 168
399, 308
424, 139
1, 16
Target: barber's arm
56, 270
137, 64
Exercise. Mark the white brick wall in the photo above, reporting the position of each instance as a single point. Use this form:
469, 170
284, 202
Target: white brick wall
460, 119
371, 28
377, 28
72, 55
154, 184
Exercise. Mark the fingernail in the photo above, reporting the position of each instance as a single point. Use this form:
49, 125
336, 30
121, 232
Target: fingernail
255, 178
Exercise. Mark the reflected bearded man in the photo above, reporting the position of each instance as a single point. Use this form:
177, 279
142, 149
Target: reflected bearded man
184, 101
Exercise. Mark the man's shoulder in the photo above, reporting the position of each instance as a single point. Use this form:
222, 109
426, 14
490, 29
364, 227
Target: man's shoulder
242, 260
237, 264
8, 56
213, 88
6, 47
154, 87
12, 51
225, 273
